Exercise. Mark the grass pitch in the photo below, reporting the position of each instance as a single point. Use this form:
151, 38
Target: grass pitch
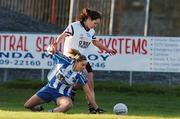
143, 101
46, 115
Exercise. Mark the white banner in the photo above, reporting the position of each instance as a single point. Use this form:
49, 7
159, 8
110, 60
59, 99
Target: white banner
155, 54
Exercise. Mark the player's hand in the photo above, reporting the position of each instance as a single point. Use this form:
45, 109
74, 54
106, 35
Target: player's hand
51, 49
112, 52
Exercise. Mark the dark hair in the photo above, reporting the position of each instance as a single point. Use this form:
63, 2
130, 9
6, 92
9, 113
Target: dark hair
85, 13
76, 55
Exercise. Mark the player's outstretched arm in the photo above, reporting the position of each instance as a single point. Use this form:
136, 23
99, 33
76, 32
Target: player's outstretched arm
60, 38
89, 96
102, 47
52, 48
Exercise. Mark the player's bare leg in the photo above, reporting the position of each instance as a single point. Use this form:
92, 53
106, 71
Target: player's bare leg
91, 83
34, 103
63, 104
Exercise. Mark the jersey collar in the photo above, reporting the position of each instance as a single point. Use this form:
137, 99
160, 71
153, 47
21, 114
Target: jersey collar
82, 23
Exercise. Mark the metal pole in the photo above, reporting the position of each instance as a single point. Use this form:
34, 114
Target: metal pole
111, 20
146, 18
5, 75
170, 80
130, 78
111, 17
42, 75
145, 32
71, 11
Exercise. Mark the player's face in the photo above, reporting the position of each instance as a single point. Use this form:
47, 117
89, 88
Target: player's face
81, 65
93, 23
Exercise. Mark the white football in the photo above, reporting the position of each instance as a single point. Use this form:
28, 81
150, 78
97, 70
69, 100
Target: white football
120, 109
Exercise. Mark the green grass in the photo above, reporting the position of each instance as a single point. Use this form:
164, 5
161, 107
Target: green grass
143, 101
32, 115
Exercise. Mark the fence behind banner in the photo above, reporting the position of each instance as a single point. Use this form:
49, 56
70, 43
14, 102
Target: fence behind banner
119, 17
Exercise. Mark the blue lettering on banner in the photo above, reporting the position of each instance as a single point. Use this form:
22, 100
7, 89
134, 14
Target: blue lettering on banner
25, 60
15, 55
100, 58
94, 57
45, 55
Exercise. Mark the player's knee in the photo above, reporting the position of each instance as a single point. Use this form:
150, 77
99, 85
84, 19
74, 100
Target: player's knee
68, 105
65, 107
27, 105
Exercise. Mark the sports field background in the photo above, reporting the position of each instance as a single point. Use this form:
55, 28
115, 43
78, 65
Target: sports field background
152, 95
35, 16
142, 100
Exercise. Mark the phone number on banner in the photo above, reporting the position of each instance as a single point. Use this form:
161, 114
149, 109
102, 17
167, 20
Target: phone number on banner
20, 62
98, 65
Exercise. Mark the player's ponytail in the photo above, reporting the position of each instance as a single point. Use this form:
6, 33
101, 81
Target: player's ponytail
76, 55
86, 12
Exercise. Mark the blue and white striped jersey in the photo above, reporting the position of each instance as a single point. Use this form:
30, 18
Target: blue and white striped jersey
62, 77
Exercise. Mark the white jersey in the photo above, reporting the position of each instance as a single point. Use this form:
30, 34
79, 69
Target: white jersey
79, 38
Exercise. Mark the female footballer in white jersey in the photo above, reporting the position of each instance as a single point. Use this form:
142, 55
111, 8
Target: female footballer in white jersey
79, 35
66, 73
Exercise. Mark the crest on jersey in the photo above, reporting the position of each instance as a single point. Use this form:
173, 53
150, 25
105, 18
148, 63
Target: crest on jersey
60, 77
88, 35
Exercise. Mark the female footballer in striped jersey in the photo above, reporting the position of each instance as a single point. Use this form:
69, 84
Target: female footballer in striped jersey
79, 35
66, 73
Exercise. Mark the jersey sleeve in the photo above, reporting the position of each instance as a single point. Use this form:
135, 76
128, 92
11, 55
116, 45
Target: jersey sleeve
59, 58
69, 30
82, 79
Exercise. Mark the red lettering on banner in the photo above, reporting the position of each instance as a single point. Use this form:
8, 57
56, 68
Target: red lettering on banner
38, 40
13, 43
120, 45
4, 39
114, 44
136, 46
144, 45
126, 45
42, 43
52, 39
21, 45
110, 43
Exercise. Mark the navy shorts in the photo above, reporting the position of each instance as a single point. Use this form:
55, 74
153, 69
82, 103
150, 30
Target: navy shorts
48, 94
